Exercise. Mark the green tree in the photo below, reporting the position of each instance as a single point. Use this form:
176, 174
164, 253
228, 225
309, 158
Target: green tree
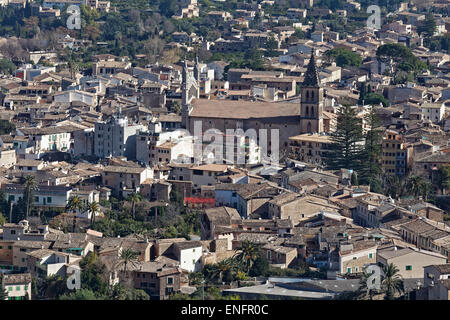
391, 282
82, 294
345, 57
74, 204
128, 257
94, 275
6, 127
374, 98
52, 287
134, 198
248, 253
444, 178
28, 193
216, 272
345, 148
371, 170
2, 219
428, 26
167, 7
395, 186
93, 210
254, 59
400, 57
271, 46
260, 268
415, 185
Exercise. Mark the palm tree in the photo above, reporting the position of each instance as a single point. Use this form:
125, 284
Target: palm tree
75, 203
30, 186
391, 282
128, 257
93, 210
394, 186
134, 198
247, 255
415, 185
426, 189
218, 271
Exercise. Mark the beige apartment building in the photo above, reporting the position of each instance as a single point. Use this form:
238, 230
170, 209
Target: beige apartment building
309, 147
409, 262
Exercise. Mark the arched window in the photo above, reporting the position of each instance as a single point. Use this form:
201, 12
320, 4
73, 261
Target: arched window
312, 111
312, 95
307, 111
308, 128
307, 94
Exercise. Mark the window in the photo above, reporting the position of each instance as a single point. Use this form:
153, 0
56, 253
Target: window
49, 199
10, 289
370, 255
17, 288
170, 280
268, 255
408, 268
349, 270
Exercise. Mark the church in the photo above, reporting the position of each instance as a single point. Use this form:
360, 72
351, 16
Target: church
289, 118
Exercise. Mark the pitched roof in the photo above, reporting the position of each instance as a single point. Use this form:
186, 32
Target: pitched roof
230, 109
9, 279
442, 268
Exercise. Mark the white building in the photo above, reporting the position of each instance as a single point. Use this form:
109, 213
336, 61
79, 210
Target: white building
76, 96
433, 111
189, 254
44, 196
116, 137
18, 286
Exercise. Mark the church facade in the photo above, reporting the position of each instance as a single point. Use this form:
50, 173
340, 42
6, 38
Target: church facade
290, 119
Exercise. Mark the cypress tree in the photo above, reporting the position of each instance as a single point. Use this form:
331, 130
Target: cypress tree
371, 170
346, 147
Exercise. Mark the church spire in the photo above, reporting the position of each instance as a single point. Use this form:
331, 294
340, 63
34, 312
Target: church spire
312, 75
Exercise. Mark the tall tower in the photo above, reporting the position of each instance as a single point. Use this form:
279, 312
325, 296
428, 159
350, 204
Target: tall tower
311, 100
190, 90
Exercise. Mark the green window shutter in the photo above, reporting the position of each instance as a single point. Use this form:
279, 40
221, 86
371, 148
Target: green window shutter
10, 289
370, 255
349, 270
408, 268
